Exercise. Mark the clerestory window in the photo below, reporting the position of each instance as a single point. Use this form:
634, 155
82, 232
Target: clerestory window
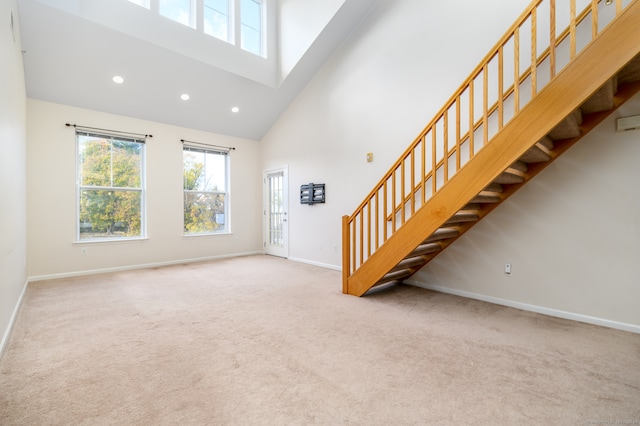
238, 22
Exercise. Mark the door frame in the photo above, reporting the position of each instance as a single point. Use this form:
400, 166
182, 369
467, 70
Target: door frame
284, 251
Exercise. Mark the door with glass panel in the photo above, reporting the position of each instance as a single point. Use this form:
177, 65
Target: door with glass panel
276, 229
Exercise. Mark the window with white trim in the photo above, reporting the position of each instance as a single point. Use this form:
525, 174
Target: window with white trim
206, 191
110, 187
251, 23
179, 10
239, 22
217, 19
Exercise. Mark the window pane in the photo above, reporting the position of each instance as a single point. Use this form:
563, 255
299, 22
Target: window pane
109, 214
251, 26
95, 161
215, 171
178, 10
204, 213
126, 164
193, 173
216, 18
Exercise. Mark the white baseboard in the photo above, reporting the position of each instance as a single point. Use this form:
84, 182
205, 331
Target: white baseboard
7, 333
140, 266
311, 262
531, 308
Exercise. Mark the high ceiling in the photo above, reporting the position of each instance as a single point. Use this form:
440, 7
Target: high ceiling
71, 60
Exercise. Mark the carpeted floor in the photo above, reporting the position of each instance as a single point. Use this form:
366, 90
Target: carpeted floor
264, 341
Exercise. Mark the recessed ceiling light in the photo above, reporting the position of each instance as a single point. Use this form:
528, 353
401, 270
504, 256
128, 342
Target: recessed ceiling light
117, 79
235, 109
185, 96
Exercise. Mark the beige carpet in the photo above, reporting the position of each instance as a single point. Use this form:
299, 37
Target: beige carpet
265, 341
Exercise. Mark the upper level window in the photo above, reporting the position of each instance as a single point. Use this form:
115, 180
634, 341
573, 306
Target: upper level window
251, 16
217, 19
110, 187
239, 22
178, 10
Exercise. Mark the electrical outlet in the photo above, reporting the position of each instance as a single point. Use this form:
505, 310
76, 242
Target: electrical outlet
83, 251
507, 269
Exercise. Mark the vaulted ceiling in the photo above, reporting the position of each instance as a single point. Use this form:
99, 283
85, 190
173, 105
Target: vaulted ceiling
70, 58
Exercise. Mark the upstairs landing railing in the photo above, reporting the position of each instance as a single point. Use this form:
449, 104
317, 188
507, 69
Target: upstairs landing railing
546, 38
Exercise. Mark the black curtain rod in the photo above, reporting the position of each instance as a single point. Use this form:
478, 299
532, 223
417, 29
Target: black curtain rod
107, 130
230, 148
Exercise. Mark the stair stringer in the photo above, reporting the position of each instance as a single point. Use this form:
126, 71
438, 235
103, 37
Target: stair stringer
596, 64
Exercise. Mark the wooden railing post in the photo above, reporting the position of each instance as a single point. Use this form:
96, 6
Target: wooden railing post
345, 254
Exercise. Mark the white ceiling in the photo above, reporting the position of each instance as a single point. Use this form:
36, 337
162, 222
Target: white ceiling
70, 60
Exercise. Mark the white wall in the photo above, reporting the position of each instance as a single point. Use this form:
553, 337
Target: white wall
375, 94
300, 23
51, 196
572, 234
13, 176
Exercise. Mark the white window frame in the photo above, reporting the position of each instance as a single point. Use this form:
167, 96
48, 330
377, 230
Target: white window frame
142, 189
226, 229
261, 31
234, 25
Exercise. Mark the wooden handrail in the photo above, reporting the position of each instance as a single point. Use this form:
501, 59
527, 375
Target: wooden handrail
426, 166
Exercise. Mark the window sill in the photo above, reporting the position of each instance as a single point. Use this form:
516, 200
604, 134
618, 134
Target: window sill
110, 241
206, 235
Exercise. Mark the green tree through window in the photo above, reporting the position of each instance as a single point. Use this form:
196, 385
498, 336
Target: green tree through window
110, 187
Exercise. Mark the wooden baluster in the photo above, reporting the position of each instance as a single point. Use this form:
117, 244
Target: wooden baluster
361, 237
458, 161
516, 71
552, 38
368, 239
386, 211
434, 173
500, 88
445, 142
572, 30
618, 7
353, 244
423, 171
403, 190
413, 181
485, 104
393, 202
534, 53
594, 19
471, 119
377, 211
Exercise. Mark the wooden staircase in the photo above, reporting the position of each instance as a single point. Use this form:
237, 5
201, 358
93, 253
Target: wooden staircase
454, 174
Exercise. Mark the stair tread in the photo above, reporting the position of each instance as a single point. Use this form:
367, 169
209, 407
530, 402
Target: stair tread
567, 128
538, 153
409, 263
463, 216
630, 72
394, 276
602, 99
442, 234
487, 197
423, 249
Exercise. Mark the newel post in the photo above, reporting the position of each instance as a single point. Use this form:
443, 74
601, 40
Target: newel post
345, 254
